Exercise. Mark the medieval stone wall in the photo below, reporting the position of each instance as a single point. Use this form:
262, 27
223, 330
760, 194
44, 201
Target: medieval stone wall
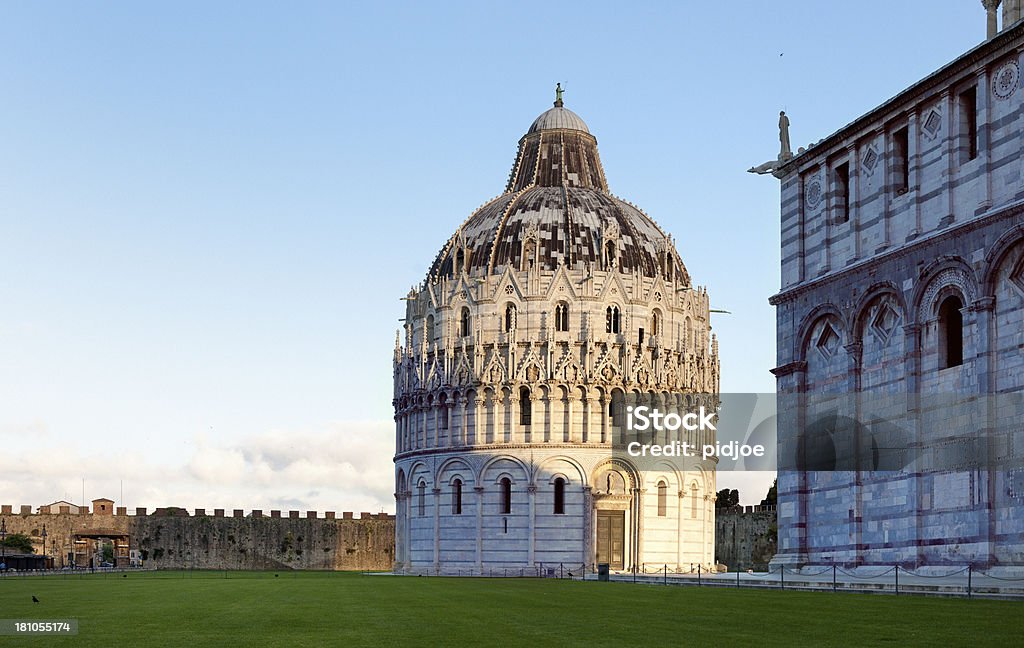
174, 539
745, 538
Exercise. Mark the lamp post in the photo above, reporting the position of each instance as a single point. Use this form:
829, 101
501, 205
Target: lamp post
44, 546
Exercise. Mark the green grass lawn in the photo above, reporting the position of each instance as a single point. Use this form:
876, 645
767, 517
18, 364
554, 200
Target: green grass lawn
315, 609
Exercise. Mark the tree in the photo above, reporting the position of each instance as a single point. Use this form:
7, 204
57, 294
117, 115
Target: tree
19, 542
726, 498
771, 499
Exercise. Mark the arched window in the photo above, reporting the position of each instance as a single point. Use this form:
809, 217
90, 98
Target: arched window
428, 329
460, 261
609, 254
655, 323
421, 497
464, 322
693, 501
951, 333
457, 497
668, 265
612, 319
662, 499
562, 317
510, 317
525, 409
506, 495
442, 414
559, 496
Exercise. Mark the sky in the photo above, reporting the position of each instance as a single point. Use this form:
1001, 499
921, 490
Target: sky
209, 211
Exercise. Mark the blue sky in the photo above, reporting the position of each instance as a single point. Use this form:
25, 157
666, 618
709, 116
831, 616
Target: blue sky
209, 211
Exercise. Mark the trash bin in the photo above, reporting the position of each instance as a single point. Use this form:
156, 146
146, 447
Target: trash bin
602, 572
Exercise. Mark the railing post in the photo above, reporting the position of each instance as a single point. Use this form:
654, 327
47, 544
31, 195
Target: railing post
737, 579
897, 580
782, 572
833, 577
969, 581
698, 574
666, 575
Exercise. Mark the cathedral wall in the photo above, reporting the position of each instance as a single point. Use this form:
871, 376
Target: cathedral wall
904, 516
907, 170
898, 224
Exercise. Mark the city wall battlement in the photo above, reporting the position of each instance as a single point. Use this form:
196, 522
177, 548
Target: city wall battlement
174, 538
25, 509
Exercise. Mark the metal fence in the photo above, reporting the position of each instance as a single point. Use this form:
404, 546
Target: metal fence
968, 581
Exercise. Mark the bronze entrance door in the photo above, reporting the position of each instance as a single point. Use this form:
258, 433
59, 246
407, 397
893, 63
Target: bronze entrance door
611, 538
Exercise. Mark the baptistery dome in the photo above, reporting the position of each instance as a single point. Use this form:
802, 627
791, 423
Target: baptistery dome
546, 311
557, 196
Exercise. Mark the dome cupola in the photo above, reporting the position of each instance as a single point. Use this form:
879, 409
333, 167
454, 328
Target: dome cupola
558, 196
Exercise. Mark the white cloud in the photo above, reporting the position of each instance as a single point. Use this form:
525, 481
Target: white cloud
341, 466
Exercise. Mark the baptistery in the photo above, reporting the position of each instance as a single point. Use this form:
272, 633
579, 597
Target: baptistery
548, 310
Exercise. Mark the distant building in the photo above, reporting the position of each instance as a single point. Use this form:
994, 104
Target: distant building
135, 558
103, 506
56, 507
902, 285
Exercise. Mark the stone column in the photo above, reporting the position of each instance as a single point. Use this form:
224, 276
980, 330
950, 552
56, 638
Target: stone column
950, 154
801, 257
992, 21
546, 434
854, 354
585, 423
983, 310
399, 530
912, 370
606, 428
984, 118
853, 193
404, 428
463, 419
398, 433
884, 167
478, 416
588, 526
514, 434
531, 493
479, 490
914, 166
528, 429
437, 529
570, 415
638, 495
679, 527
